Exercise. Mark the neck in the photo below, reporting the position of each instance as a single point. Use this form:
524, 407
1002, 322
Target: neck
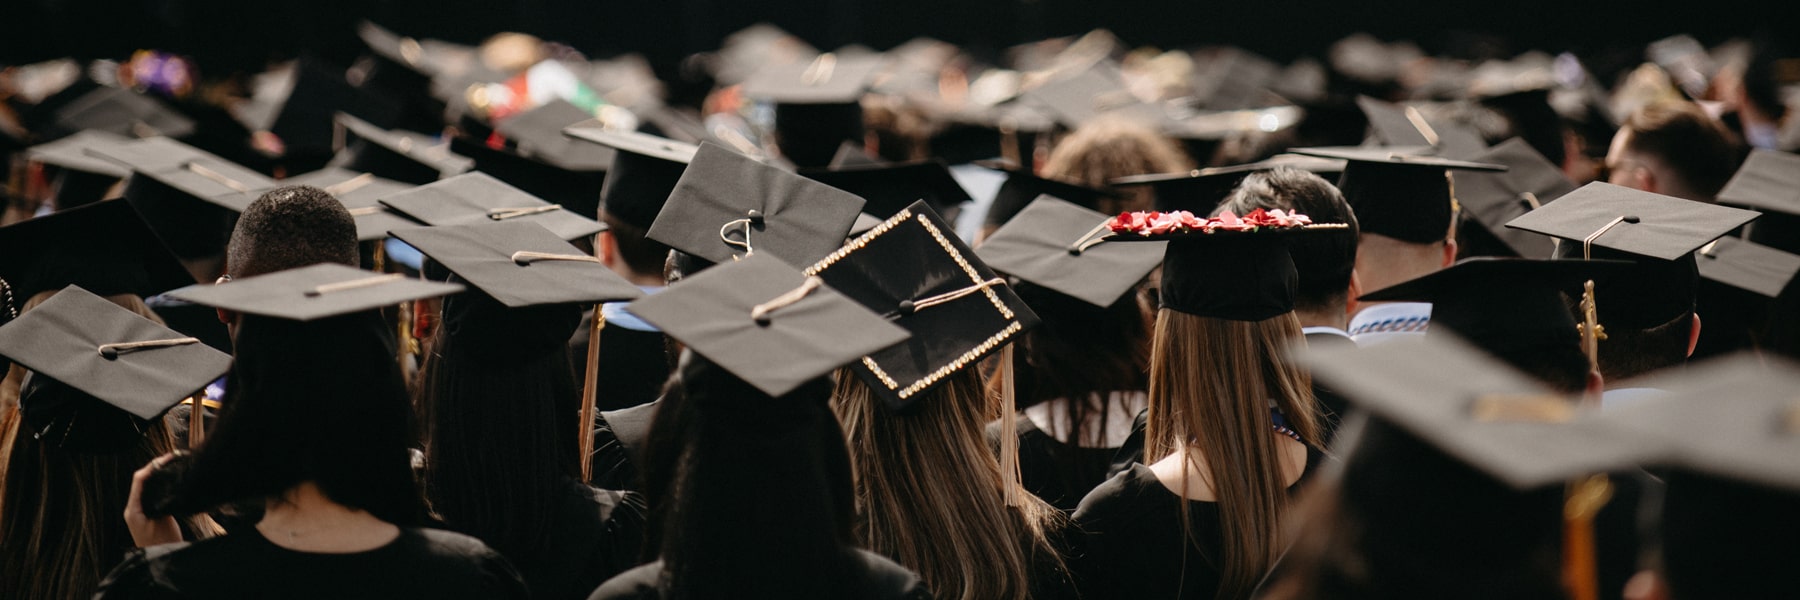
305, 519
1335, 317
1383, 262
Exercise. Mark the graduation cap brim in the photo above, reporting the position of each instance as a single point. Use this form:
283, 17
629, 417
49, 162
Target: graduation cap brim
188, 171
1732, 417
1487, 275
578, 191
914, 256
711, 312
1654, 225
1747, 266
361, 194
1407, 156
122, 112
1200, 191
473, 198
488, 257
313, 292
104, 247
63, 339
398, 155
1041, 246
1768, 180
1022, 187
802, 220
890, 188
827, 79
538, 135
71, 153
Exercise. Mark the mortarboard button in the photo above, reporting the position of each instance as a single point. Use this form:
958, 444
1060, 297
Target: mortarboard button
707, 214
1633, 221
313, 292
478, 197
1060, 246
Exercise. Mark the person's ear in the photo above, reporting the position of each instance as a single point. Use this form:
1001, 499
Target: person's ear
1449, 253
1694, 335
423, 314
607, 247
1352, 293
226, 317
1646, 179
1596, 384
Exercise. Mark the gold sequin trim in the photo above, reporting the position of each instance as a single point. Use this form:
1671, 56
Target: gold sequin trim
974, 276
880, 374
962, 361
858, 243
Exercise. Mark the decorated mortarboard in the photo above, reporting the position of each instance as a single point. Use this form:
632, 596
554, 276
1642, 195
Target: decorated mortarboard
313, 292
1200, 191
1397, 194
1022, 187
188, 196
479, 198
81, 178
1491, 200
1747, 265
398, 155
1503, 304
890, 188
361, 194
1062, 246
913, 270
767, 323
121, 112
644, 170
117, 371
519, 263
728, 205
1224, 267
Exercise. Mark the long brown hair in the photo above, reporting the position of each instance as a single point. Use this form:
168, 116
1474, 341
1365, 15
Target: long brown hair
930, 494
1210, 383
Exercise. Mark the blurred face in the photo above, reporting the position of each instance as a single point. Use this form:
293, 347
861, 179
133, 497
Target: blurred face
1624, 167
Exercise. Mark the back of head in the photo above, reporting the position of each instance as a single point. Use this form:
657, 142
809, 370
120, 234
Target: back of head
288, 228
1081, 349
1324, 262
641, 254
1688, 144
321, 402
1109, 148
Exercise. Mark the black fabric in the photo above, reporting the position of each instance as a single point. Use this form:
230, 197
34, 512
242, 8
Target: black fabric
1332, 405
1647, 293
637, 187
1060, 473
885, 580
597, 537
619, 442
1239, 277
1508, 304
634, 364
1401, 202
420, 563
105, 248
1131, 543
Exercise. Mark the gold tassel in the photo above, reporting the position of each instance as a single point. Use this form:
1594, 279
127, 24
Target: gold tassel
589, 388
1009, 435
1582, 501
197, 421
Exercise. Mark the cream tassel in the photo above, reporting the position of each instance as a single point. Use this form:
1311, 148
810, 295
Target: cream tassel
1009, 434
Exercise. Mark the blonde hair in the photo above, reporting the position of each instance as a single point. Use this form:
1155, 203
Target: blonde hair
1210, 384
1109, 148
930, 495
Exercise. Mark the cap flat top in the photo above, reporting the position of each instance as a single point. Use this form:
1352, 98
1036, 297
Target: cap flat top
104, 247
713, 313
1666, 227
123, 112
1733, 417
415, 147
1747, 265
313, 292
1494, 199
1769, 180
1405, 156
62, 339
362, 194
71, 153
826, 79
538, 133
189, 170
1039, 245
888, 188
642, 144
478, 198
486, 255
708, 212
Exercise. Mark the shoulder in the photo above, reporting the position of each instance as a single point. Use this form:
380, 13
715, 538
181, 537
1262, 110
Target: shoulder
1120, 495
447, 556
640, 582
143, 574
888, 580
631, 426
604, 504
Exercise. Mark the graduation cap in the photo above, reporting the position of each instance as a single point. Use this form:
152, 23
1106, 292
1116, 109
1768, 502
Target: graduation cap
1199, 191
398, 155
188, 196
1059, 245
767, 323
519, 263
1503, 305
818, 104
1398, 125
113, 371
1659, 233
104, 247
1092, 93
304, 119
81, 178
1490, 200
1399, 195
644, 171
313, 292
120, 112
361, 193
1769, 181
851, 155
1022, 187
890, 188
479, 198
576, 191
1242, 274
538, 134
727, 205
1747, 265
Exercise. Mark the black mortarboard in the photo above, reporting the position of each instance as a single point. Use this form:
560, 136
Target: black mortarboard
1398, 125
538, 134
1023, 187
104, 247
189, 197
851, 155
1402, 196
768, 323
817, 104
361, 193
890, 188
1504, 304
576, 191
1201, 190
479, 198
398, 155
1747, 265
519, 263
120, 112
1490, 200
913, 270
81, 178
124, 370
313, 292
727, 205
304, 122
1061, 246
1239, 275
1769, 181
644, 171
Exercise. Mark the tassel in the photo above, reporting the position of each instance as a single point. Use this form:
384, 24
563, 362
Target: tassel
1582, 501
196, 421
1009, 433
589, 389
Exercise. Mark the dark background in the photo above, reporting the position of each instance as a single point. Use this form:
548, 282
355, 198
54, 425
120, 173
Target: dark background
241, 35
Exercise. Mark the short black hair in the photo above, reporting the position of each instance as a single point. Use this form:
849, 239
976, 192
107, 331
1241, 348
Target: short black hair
1627, 353
642, 254
1324, 262
291, 227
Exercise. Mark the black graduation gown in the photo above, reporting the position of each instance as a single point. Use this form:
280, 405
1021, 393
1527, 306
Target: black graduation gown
1332, 406
633, 364
420, 563
619, 440
1129, 543
597, 535
1059, 472
885, 581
